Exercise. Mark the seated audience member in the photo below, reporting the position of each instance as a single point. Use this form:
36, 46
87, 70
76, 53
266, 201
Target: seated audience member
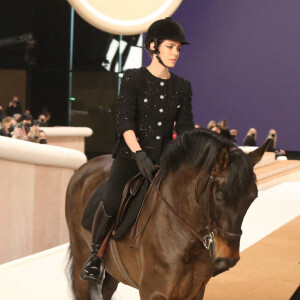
14, 107
216, 128
47, 114
224, 128
28, 130
234, 133
211, 124
2, 116
272, 146
250, 138
42, 121
8, 127
17, 117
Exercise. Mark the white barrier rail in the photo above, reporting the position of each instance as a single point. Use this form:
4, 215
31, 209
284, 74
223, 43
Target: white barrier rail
40, 154
33, 183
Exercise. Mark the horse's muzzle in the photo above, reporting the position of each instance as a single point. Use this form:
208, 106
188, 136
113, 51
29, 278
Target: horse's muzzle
222, 263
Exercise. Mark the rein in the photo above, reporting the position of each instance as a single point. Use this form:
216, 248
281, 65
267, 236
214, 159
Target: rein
207, 240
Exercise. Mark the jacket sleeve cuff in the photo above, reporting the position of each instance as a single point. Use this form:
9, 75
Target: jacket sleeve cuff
125, 127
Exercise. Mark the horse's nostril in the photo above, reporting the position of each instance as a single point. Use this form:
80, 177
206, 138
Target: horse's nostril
221, 263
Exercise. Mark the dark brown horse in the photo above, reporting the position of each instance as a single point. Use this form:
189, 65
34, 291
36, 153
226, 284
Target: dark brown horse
194, 229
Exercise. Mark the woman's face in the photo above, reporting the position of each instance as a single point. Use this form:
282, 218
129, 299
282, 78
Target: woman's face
7, 125
169, 52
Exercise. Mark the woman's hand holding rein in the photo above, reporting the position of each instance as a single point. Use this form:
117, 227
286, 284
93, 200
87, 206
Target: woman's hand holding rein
144, 163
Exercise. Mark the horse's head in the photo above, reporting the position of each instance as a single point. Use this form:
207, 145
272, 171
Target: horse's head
232, 190
218, 184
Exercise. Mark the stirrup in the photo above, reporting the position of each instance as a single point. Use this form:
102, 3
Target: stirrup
86, 273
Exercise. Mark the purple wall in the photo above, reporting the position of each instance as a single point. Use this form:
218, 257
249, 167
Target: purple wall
244, 64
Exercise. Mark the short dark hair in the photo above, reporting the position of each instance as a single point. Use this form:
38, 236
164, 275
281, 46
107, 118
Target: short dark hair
26, 117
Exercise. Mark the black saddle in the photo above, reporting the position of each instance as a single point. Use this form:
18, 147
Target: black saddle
132, 200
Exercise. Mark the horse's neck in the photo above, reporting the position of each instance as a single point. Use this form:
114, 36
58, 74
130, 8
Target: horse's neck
180, 191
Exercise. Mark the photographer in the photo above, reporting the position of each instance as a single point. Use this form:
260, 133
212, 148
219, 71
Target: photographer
42, 121
14, 107
30, 130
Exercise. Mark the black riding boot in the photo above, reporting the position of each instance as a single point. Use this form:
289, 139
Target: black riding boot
93, 269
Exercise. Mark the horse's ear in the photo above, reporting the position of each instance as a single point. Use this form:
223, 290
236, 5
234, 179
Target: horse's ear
256, 155
223, 158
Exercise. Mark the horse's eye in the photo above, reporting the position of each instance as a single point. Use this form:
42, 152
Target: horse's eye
219, 198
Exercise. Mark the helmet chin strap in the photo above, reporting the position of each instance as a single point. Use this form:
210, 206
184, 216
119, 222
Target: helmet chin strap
159, 59
157, 53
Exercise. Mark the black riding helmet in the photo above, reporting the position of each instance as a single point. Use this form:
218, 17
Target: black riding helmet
164, 29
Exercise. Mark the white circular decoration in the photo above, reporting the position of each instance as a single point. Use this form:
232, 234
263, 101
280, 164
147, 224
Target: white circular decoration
126, 17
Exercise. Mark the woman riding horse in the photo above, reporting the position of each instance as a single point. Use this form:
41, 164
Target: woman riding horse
151, 100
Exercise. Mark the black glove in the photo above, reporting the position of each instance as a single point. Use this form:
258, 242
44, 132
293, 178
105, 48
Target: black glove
144, 163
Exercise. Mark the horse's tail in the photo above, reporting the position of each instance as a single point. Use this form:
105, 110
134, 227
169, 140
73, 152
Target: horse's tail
69, 269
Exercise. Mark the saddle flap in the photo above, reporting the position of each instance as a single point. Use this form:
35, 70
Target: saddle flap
130, 190
136, 184
132, 186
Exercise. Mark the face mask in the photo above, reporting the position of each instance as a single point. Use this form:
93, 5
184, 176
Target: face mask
273, 135
11, 128
43, 141
27, 125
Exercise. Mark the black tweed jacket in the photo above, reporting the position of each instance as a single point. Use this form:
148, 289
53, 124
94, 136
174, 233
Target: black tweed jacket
149, 106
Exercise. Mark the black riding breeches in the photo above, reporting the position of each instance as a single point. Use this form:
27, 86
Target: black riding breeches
121, 171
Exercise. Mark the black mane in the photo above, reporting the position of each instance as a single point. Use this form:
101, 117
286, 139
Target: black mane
199, 148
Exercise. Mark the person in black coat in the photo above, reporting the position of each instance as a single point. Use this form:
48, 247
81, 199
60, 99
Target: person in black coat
14, 107
272, 135
151, 101
250, 138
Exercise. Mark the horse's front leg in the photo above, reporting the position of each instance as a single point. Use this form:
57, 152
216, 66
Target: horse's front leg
109, 286
200, 294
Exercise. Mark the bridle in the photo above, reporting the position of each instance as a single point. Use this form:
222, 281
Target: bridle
208, 239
